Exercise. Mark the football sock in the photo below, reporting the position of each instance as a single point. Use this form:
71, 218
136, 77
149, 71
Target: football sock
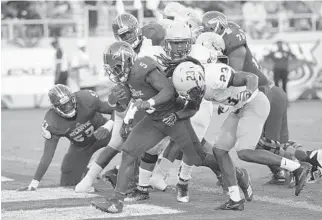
289, 165
234, 193
185, 172
94, 171
144, 177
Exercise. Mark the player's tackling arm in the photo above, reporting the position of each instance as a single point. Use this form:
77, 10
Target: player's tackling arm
237, 60
241, 78
159, 81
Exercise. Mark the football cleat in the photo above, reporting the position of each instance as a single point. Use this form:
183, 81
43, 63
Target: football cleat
300, 175
232, 205
157, 182
182, 192
246, 185
109, 205
139, 194
315, 175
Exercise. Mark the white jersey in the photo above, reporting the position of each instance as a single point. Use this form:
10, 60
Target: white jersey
218, 76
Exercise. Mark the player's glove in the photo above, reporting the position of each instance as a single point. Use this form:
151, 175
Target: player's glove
126, 129
32, 186
170, 119
222, 109
244, 95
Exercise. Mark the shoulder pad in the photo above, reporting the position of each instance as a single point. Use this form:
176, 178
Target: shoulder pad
144, 65
234, 39
47, 127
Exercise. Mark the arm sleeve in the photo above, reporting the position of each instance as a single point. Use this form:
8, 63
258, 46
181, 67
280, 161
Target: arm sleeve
158, 81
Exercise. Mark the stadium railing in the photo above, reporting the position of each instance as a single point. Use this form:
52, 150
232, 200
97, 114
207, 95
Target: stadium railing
80, 27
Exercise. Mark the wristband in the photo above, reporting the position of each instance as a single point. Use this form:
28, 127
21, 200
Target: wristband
151, 102
34, 183
109, 125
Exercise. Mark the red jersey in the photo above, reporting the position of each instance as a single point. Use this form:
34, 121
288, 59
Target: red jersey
236, 38
141, 90
80, 129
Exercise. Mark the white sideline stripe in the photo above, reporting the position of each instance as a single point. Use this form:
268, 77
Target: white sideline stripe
87, 212
269, 199
42, 194
5, 179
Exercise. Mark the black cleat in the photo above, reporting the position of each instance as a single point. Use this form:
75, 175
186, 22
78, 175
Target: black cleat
139, 194
300, 175
110, 206
232, 205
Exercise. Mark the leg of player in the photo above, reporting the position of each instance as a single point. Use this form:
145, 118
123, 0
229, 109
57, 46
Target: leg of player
148, 162
223, 145
143, 137
248, 135
104, 158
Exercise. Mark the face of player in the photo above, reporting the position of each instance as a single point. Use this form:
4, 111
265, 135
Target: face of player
118, 73
196, 93
178, 49
130, 36
67, 109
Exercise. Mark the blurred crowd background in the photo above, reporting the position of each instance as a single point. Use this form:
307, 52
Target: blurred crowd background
260, 19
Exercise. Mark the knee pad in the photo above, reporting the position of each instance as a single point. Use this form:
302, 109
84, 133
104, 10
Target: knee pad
148, 158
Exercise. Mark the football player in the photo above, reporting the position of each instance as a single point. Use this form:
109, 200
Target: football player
77, 117
153, 93
251, 108
154, 34
242, 59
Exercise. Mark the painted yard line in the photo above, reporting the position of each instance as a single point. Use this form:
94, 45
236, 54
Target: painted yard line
42, 194
5, 179
87, 212
269, 199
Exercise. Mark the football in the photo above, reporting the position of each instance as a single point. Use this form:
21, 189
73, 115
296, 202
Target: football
122, 104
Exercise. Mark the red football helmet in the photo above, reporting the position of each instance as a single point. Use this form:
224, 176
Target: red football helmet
215, 21
118, 60
126, 28
63, 100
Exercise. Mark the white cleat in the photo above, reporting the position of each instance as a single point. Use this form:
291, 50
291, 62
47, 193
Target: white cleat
84, 186
157, 182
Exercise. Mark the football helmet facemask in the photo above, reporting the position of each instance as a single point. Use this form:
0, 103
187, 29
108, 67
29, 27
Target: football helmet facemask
178, 41
118, 60
189, 81
126, 28
63, 100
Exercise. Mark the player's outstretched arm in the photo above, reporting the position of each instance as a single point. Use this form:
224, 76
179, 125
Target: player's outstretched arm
159, 81
237, 59
48, 154
107, 107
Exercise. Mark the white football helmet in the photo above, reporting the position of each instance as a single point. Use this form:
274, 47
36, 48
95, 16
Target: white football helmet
173, 9
212, 41
189, 81
178, 40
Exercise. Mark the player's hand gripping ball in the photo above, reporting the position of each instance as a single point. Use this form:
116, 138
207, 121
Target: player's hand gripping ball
121, 96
